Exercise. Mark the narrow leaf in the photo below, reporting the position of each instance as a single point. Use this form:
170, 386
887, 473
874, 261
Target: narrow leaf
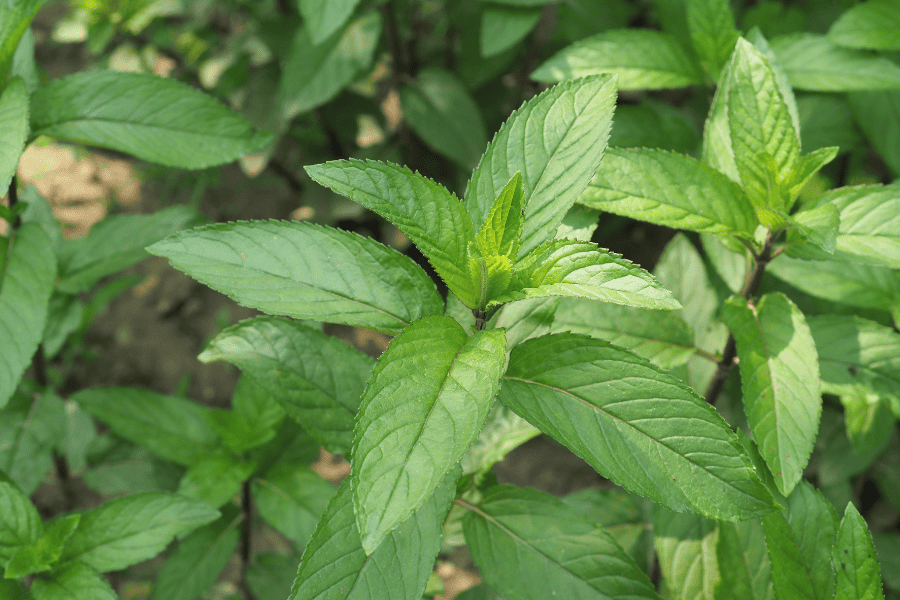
871, 25
14, 20
74, 581
713, 33
501, 232
669, 189
155, 119
854, 560
565, 130
13, 128
552, 547
292, 500
306, 271
744, 565
322, 19
491, 275
629, 420
20, 523
445, 382
686, 547
127, 530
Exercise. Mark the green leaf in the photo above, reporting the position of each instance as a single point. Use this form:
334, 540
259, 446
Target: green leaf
653, 124
869, 230
269, 576
439, 108
501, 232
813, 63
854, 560
580, 223
888, 547
530, 545
643, 59
322, 19
215, 479
172, 427
717, 150
28, 432
292, 499
20, 523
868, 420
14, 20
74, 581
808, 166
446, 383
127, 530
871, 25
669, 189
780, 380
253, 421
24, 64
26, 283
713, 33
44, 552
502, 27
630, 421
155, 119
755, 37
197, 562
662, 337
492, 275
877, 114
306, 271
761, 130
567, 268
431, 216
317, 379
564, 130
503, 432
314, 73
13, 128
686, 547
826, 120
818, 226
744, 565
335, 565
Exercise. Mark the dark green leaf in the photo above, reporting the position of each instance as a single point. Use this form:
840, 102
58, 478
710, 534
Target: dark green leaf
13, 128
826, 120
27, 437
270, 575
20, 523
216, 478
653, 124
877, 114
871, 25
686, 547
74, 581
324, 18
253, 420
292, 500
502, 27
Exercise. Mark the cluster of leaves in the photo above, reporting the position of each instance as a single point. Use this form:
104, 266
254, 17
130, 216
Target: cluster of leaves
541, 331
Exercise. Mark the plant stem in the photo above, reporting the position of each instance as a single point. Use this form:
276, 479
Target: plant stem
13, 199
246, 539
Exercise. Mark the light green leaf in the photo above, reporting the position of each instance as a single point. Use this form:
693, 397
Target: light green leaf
439, 108
13, 128
813, 63
526, 319
780, 380
127, 530
432, 217
115, 243
530, 545
629, 420
501, 232
871, 25
662, 337
24, 64
306, 271
565, 130
619, 513
216, 478
717, 150
20, 523
316, 73
446, 383
567, 268
197, 562
713, 33
74, 581
317, 379
322, 19
878, 115
155, 119
580, 223
729, 265
744, 565
643, 59
335, 565
854, 560
503, 432
755, 37
26, 284
868, 420
43, 553
502, 27
818, 226
172, 427
806, 167
669, 189
686, 547
292, 499
492, 275
14, 20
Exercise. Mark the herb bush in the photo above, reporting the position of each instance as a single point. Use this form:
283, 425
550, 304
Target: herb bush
755, 482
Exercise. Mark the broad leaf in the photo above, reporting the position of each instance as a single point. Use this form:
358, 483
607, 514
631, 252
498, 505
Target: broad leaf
567, 268
197, 562
322, 19
713, 33
814, 63
871, 25
26, 283
529, 545
565, 130
445, 382
501, 232
827, 120
818, 226
216, 479
780, 380
115, 243
335, 565
857, 285
155, 119
292, 499
717, 150
439, 108
14, 20
20, 523
854, 560
270, 575
318, 379
253, 421
643, 59
653, 124
306, 271
878, 114
314, 73
503, 432
669, 189
502, 27
28, 432
41, 555
13, 128
433, 218
662, 337
744, 565
127, 530
172, 427
74, 581
686, 547
630, 421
